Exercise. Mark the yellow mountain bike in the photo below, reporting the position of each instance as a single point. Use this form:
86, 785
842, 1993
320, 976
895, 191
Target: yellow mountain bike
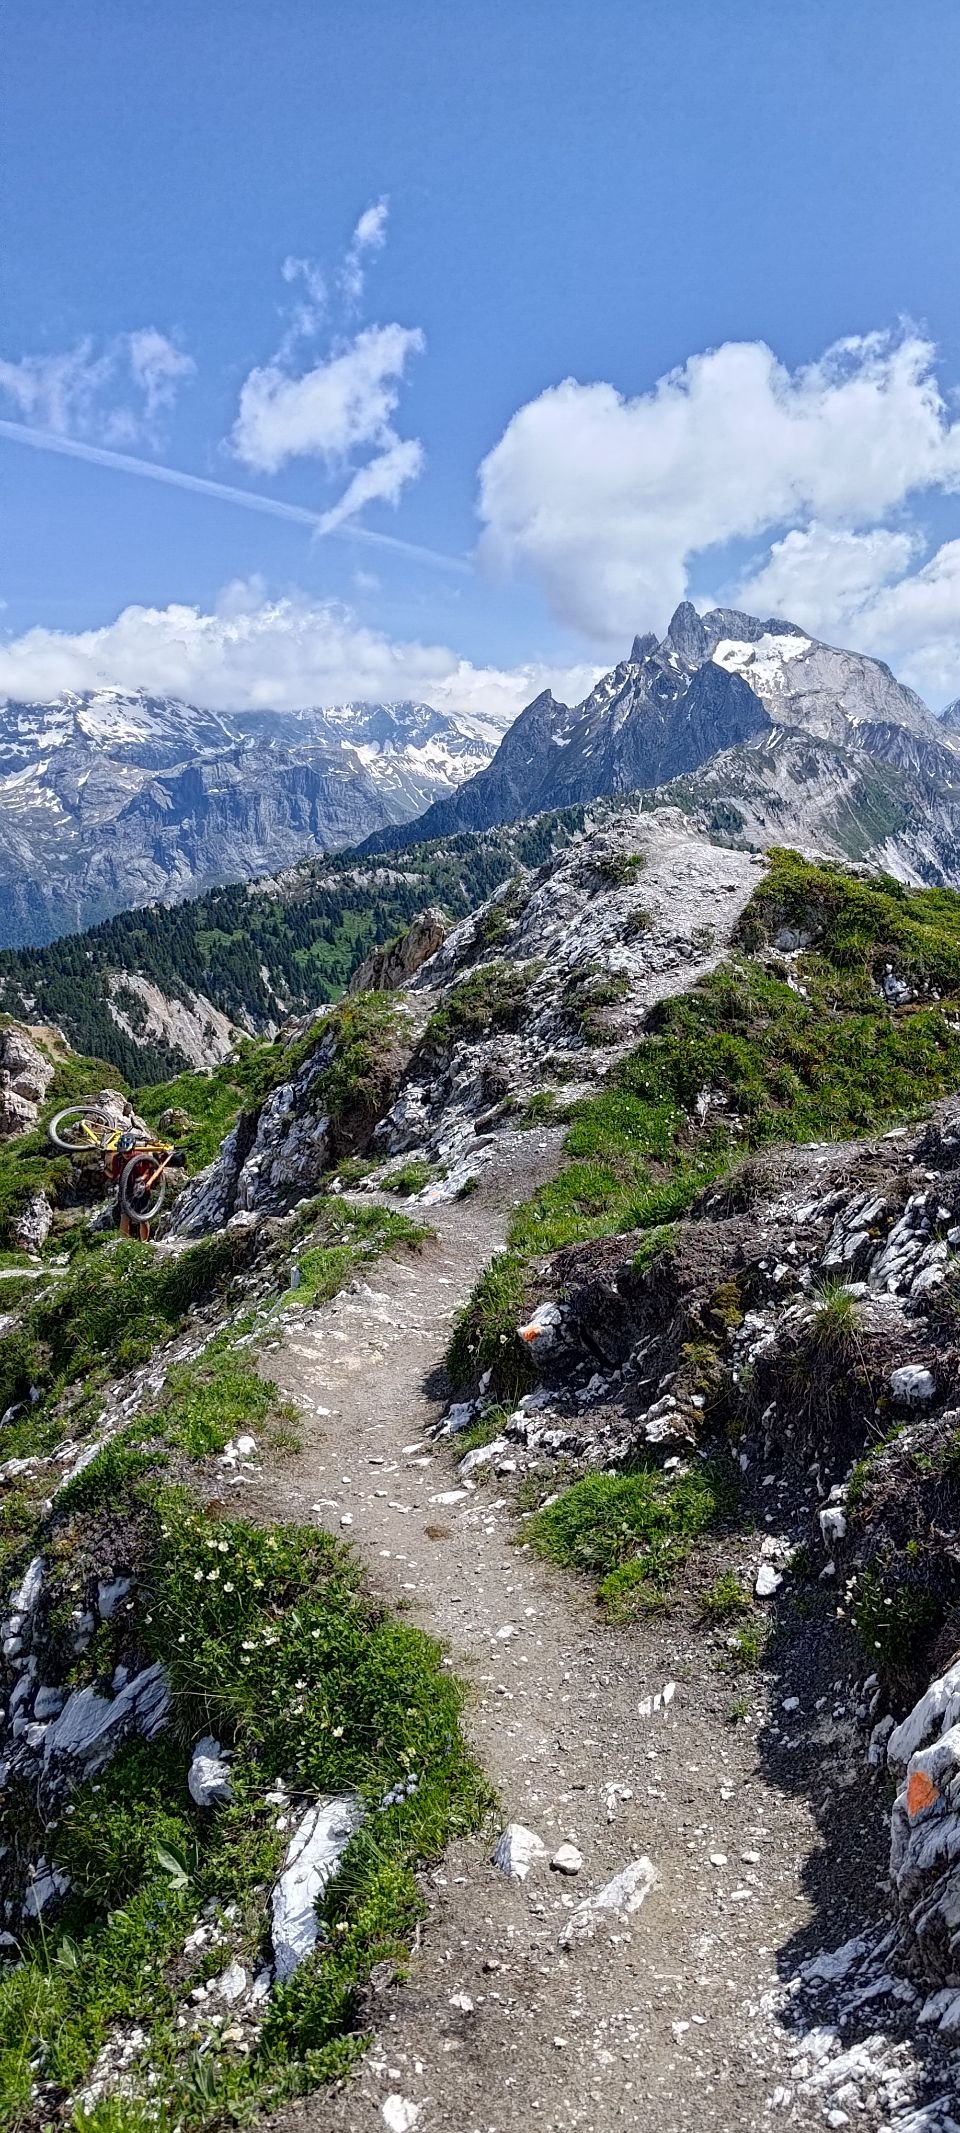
136, 1162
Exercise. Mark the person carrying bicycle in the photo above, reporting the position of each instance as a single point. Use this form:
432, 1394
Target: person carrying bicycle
135, 1163
129, 1152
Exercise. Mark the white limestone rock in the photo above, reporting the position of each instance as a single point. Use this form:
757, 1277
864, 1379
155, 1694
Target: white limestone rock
613, 1904
208, 1778
91, 1727
912, 1385
313, 1858
517, 1850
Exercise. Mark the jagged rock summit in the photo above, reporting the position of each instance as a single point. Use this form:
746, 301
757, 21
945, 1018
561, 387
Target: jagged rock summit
734, 697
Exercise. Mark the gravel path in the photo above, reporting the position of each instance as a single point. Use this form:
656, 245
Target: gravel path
499, 2027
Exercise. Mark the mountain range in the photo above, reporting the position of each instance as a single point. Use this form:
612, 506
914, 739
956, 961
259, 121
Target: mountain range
114, 799
758, 731
755, 728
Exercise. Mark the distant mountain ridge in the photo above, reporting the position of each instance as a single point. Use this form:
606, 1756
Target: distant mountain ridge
828, 743
110, 799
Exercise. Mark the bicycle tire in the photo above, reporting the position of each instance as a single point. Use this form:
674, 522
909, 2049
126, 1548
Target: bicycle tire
66, 1129
139, 1203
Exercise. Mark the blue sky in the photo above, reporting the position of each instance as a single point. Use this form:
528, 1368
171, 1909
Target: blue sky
496, 198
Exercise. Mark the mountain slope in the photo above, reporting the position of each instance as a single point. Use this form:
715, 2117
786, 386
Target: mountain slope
717, 682
109, 800
159, 989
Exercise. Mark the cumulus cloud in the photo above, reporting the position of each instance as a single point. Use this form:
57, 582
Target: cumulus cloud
858, 589
824, 576
329, 411
342, 405
608, 500
113, 395
254, 652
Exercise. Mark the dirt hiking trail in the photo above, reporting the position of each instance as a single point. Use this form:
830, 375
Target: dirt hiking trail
655, 2022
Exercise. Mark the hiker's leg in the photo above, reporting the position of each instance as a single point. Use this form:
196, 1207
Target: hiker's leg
144, 1232
124, 1225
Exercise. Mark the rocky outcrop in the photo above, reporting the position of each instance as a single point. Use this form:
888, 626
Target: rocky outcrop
280, 1151
923, 1753
25, 1076
189, 1024
386, 969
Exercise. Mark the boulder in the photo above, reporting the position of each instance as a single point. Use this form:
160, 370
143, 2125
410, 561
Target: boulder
912, 1385
23, 1067
517, 1850
613, 1904
17, 1113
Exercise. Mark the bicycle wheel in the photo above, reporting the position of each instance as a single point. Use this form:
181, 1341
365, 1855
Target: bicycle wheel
78, 1130
141, 1191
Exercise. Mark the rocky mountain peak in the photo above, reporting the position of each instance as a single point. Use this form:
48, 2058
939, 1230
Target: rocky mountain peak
687, 634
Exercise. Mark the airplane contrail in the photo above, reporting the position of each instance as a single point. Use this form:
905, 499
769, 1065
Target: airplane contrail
251, 499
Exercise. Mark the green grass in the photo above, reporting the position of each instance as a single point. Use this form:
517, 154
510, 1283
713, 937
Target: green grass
891, 1623
484, 1337
108, 1314
271, 1640
725, 1599
409, 1177
491, 998
833, 1328
633, 1532
344, 1237
212, 1102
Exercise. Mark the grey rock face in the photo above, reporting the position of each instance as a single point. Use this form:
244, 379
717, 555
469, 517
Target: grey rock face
765, 732
31, 1227
268, 1160
25, 1076
393, 965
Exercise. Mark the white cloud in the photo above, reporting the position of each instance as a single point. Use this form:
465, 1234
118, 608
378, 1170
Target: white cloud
607, 500
824, 576
254, 652
330, 411
370, 235
858, 589
383, 478
341, 406
82, 393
